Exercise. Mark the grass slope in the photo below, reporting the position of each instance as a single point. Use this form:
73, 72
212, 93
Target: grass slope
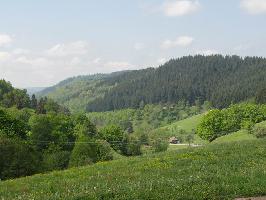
173, 129
236, 136
220, 171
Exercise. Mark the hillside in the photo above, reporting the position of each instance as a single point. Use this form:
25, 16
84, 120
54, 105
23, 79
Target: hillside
75, 93
180, 129
220, 171
218, 79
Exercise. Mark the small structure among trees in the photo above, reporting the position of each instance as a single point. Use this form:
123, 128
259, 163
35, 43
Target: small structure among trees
174, 140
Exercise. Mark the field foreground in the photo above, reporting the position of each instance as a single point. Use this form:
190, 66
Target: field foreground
220, 171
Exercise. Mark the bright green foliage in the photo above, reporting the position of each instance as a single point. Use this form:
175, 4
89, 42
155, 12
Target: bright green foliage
113, 135
241, 135
53, 128
12, 127
215, 172
221, 122
179, 129
147, 118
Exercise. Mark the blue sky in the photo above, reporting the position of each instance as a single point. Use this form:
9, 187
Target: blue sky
43, 42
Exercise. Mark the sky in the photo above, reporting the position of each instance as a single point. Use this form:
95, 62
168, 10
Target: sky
44, 42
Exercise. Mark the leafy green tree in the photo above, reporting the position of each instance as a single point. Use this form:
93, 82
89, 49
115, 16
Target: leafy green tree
12, 127
84, 152
113, 135
17, 158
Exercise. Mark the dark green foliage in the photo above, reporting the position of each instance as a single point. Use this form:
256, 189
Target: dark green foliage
144, 139
132, 146
84, 152
160, 145
54, 158
221, 122
103, 150
17, 158
10, 96
190, 138
53, 128
261, 96
218, 79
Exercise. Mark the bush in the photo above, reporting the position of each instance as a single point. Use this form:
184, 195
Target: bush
113, 135
131, 146
88, 151
104, 150
55, 159
17, 158
160, 145
259, 132
84, 152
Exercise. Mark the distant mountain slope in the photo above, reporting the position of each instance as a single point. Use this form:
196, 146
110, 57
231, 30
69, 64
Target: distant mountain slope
77, 92
33, 90
218, 79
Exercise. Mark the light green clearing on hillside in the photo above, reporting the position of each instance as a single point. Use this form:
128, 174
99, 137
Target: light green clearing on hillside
219, 171
236, 136
173, 129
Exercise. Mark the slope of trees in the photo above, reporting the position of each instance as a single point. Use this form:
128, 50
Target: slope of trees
218, 79
42, 136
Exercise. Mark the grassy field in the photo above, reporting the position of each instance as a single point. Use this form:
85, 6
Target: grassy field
219, 171
173, 129
237, 136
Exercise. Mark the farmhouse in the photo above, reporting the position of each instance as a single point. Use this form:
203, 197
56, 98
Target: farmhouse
174, 140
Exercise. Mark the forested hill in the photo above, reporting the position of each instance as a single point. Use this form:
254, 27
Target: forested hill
218, 79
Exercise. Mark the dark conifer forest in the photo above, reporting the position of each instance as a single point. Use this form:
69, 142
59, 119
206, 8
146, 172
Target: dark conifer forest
218, 79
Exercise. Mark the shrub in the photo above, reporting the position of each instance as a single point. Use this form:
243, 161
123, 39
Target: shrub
131, 146
84, 152
55, 159
260, 131
160, 145
17, 158
113, 135
104, 150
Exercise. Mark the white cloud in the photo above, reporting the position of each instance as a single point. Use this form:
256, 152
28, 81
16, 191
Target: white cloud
118, 65
207, 52
161, 60
5, 39
4, 56
254, 6
68, 49
182, 41
19, 51
180, 7
139, 46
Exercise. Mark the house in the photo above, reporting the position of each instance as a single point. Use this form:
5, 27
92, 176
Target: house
174, 140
